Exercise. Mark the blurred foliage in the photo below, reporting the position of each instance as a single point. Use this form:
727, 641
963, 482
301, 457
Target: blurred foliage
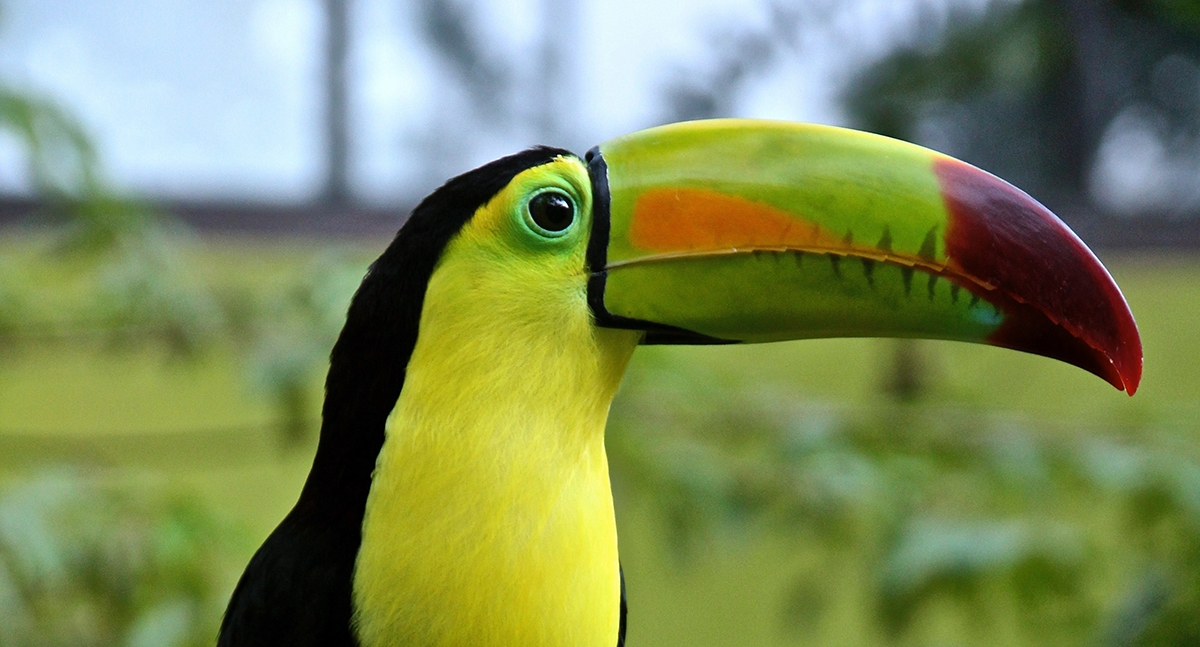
294, 330
131, 283
1184, 14
85, 565
62, 161
1033, 90
1006, 528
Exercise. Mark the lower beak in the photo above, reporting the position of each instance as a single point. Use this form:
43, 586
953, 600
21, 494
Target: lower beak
751, 231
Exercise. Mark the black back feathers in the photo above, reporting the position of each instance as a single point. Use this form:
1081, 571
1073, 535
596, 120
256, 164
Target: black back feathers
297, 588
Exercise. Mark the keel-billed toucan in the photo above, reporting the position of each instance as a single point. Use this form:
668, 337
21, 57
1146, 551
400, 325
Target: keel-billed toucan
460, 492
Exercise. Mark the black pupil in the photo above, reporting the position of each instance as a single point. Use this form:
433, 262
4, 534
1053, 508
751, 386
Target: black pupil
552, 211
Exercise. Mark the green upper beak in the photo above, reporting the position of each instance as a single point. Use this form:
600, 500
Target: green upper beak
747, 231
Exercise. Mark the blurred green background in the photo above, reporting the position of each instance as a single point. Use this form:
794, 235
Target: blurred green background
162, 358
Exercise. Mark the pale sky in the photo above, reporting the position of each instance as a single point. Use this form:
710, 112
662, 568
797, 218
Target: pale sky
221, 98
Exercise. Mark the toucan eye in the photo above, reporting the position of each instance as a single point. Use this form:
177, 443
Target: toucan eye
552, 211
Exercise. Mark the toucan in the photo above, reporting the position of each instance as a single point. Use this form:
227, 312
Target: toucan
459, 495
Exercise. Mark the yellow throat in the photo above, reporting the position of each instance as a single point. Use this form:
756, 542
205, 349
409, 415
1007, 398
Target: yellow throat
490, 518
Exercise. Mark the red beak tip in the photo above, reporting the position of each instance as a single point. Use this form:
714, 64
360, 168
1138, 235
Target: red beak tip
1133, 377
999, 234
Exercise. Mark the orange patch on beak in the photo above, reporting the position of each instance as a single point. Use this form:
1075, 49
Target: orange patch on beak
677, 222
695, 220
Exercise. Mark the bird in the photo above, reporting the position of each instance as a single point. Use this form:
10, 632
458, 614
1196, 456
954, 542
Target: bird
460, 494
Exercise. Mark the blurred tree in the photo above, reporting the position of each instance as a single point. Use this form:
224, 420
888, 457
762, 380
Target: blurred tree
337, 116
740, 56
1042, 92
474, 89
483, 92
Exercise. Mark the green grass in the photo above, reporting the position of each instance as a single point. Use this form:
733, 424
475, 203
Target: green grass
138, 416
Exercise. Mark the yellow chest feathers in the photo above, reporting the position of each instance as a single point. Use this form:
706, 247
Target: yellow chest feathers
490, 519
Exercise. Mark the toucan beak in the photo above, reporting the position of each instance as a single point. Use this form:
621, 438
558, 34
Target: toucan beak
751, 231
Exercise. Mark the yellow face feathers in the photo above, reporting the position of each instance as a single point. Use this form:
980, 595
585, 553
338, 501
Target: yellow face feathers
490, 519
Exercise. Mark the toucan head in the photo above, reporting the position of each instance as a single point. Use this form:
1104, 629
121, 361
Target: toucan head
734, 231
